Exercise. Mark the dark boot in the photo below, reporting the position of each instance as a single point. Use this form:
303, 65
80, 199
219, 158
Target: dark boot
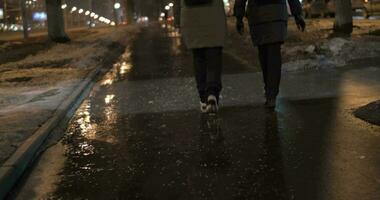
270, 103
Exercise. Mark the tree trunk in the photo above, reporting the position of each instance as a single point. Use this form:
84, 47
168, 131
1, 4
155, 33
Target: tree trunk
24, 19
343, 17
56, 24
130, 10
177, 13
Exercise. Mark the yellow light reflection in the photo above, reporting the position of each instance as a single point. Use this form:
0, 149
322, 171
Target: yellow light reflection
87, 129
109, 98
107, 82
125, 68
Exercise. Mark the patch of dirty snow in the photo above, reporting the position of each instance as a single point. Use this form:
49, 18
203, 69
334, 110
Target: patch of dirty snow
335, 52
35, 97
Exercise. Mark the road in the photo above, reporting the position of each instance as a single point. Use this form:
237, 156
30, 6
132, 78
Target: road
139, 135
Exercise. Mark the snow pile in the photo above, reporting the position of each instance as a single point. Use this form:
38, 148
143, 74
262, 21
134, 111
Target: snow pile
335, 52
335, 45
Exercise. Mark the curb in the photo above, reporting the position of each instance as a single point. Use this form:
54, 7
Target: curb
15, 166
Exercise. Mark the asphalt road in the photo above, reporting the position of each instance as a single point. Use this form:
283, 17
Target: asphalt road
139, 135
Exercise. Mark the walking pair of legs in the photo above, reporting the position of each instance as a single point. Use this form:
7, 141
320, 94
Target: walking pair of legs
270, 61
208, 74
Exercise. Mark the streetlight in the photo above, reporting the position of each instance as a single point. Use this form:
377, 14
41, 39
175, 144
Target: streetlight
171, 4
117, 5
5, 12
167, 7
74, 9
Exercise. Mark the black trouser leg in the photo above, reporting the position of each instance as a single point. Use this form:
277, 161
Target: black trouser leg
208, 71
270, 60
263, 63
200, 71
214, 71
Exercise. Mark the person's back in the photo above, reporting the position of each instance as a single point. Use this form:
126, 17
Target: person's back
204, 30
268, 21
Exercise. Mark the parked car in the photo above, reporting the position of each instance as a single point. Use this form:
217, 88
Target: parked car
371, 7
357, 5
313, 8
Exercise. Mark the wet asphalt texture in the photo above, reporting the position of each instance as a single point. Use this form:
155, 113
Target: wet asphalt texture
139, 135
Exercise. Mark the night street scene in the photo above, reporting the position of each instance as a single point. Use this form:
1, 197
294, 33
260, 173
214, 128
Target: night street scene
190, 99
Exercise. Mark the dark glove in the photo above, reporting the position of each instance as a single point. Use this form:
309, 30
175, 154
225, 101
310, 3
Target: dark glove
240, 25
300, 23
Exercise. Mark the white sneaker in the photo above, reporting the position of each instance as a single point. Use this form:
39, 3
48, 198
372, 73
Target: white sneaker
203, 107
212, 105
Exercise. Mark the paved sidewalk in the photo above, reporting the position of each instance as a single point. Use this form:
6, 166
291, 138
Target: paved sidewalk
139, 135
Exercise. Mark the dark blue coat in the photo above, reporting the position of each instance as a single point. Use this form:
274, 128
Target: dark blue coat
268, 19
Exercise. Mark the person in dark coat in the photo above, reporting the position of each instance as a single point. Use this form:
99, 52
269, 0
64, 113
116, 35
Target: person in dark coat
204, 30
268, 21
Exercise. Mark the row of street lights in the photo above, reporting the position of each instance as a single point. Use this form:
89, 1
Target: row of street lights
92, 14
166, 12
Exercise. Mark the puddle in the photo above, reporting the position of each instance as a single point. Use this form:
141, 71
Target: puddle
369, 113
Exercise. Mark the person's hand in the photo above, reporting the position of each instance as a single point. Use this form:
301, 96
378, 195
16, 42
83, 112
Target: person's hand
301, 25
240, 26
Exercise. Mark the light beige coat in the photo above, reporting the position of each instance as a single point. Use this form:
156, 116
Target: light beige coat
204, 26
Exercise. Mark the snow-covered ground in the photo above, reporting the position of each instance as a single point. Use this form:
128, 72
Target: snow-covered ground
315, 48
32, 88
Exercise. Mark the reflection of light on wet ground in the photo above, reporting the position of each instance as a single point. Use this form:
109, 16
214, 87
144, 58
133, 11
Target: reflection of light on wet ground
355, 91
88, 129
119, 69
354, 86
107, 82
176, 46
109, 98
125, 67
126, 55
174, 33
86, 149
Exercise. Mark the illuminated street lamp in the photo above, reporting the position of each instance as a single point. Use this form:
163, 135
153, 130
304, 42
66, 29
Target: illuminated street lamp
117, 5
64, 6
171, 4
5, 15
74, 9
167, 7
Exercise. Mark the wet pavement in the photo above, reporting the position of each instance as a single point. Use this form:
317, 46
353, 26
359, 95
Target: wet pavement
139, 135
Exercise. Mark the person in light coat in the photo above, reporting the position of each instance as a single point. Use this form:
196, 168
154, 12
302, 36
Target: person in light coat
204, 30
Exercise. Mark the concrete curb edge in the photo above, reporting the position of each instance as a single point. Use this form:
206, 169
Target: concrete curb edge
15, 166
